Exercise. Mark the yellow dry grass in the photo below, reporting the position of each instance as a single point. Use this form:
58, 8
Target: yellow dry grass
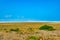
24, 27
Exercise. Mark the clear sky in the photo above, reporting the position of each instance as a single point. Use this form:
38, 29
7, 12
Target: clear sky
38, 10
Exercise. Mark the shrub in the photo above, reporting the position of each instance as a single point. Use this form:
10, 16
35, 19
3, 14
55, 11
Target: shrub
30, 29
16, 30
46, 27
32, 38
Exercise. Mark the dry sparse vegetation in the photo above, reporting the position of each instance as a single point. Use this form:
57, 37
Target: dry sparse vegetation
30, 31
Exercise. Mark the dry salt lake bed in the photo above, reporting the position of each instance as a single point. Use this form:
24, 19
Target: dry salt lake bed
30, 31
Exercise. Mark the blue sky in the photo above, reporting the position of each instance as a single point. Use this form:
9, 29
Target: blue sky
36, 10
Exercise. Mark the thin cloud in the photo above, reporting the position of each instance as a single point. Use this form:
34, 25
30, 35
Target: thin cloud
8, 16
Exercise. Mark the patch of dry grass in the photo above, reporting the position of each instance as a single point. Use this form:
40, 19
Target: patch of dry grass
28, 29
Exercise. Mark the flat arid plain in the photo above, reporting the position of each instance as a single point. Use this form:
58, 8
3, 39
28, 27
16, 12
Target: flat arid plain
30, 31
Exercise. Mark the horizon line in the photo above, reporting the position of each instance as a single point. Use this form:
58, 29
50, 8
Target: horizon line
25, 21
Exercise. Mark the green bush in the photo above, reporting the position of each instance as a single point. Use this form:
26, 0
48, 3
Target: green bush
16, 30
32, 38
46, 27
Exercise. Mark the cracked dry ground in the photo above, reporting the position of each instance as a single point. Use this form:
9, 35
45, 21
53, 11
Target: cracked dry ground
25, 32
